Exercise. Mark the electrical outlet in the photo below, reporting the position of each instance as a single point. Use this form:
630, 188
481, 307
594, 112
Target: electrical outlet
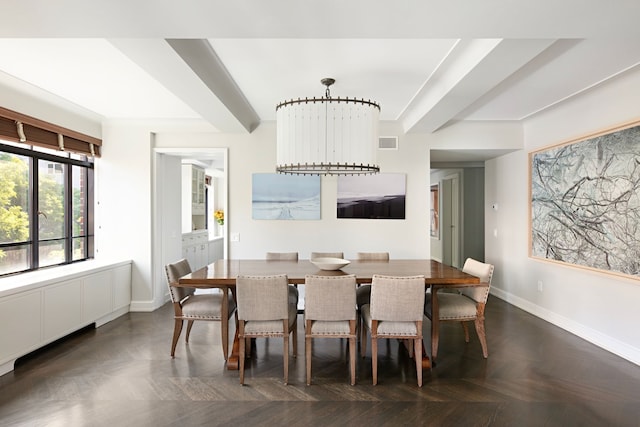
235, 237
540, 286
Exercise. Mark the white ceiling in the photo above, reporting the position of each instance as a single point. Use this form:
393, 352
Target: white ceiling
228, 63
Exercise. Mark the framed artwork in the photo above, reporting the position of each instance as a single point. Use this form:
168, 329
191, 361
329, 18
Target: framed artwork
285, 197
435, 211
585, 202
380, 196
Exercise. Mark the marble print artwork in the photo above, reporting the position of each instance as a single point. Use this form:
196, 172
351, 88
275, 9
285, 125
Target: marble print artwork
585, 202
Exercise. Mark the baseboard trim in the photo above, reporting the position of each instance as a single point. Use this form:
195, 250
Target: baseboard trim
613, 345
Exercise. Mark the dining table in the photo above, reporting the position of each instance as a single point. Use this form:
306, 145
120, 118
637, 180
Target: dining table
222, 274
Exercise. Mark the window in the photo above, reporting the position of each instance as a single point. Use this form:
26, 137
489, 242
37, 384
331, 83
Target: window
46, 207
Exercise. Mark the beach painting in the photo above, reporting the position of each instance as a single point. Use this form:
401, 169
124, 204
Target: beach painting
285, 197
380, 196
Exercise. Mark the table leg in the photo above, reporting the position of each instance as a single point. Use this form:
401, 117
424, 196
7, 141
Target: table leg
435, 327
234, 357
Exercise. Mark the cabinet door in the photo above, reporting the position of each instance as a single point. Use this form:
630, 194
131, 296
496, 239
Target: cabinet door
97, 295
62, 309
20, 319
122, 286
203, 254
201, 187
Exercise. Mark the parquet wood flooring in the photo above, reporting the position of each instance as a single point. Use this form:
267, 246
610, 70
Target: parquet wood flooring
121, 374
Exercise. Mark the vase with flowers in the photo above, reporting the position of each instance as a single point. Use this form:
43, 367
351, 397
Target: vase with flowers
219, 216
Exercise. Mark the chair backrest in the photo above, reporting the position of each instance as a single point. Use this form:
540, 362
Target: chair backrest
485, 273
174, 272
373, 256
397, 298
282, 256
330, 298
315, 255
262, 297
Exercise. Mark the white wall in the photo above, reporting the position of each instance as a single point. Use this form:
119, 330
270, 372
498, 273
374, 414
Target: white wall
255, 153
168, 215
124, 205
599, 307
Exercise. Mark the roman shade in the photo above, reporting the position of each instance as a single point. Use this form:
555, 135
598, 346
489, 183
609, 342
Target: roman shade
21, 128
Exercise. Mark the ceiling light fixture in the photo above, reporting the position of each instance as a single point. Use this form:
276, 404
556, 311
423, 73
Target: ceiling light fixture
327, 136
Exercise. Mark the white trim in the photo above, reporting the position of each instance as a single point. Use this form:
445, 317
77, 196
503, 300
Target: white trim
22, 282
595, 337
144, 306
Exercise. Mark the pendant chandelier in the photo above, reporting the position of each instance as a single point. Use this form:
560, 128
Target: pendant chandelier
327, 136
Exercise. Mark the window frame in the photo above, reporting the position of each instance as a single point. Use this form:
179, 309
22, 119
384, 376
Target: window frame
34, 242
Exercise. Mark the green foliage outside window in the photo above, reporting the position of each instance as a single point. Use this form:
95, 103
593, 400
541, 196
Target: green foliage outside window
14, 191
59, 239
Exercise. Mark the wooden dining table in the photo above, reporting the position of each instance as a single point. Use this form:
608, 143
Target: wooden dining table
222, 274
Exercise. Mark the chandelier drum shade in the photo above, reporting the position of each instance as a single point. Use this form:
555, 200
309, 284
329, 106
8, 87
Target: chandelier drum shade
327, 136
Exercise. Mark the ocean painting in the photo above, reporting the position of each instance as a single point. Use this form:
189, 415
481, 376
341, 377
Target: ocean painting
285, 197
380, 196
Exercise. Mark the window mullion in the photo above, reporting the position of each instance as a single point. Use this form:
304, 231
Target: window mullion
68, 213
35, 218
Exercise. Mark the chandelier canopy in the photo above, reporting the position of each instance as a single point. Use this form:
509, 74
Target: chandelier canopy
327, 136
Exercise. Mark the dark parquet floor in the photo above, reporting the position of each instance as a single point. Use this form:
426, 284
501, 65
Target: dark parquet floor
121, 375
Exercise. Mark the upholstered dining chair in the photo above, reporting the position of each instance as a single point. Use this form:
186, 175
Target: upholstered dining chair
395, 311
265, 310
315, 255
373, 256
191, 307
286, 256
282, 256
465, 305
363, 293
330, 312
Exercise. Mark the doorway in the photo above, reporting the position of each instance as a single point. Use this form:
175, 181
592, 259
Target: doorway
167, 245
450, 217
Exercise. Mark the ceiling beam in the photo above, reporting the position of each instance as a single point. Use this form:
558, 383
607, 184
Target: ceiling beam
202, 59
471, 69
159, 59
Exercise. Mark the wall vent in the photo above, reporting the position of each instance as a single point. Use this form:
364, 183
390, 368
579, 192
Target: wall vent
388, 143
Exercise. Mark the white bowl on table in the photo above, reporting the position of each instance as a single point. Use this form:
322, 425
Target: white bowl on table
330, 263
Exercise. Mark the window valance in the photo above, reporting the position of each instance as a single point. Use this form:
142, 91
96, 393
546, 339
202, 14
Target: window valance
19, 127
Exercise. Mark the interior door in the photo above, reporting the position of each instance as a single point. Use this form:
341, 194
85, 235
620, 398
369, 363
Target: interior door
450, 217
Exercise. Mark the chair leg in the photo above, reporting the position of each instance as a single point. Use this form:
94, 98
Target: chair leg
418, 358
224, 332
294, 332
353, 332
465, 328
177, 328
243, 345
481, 335
308, 358
285, 352
352, 359
358, 322
363, 340
307, 349
374, 350
189, 326
374, 358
